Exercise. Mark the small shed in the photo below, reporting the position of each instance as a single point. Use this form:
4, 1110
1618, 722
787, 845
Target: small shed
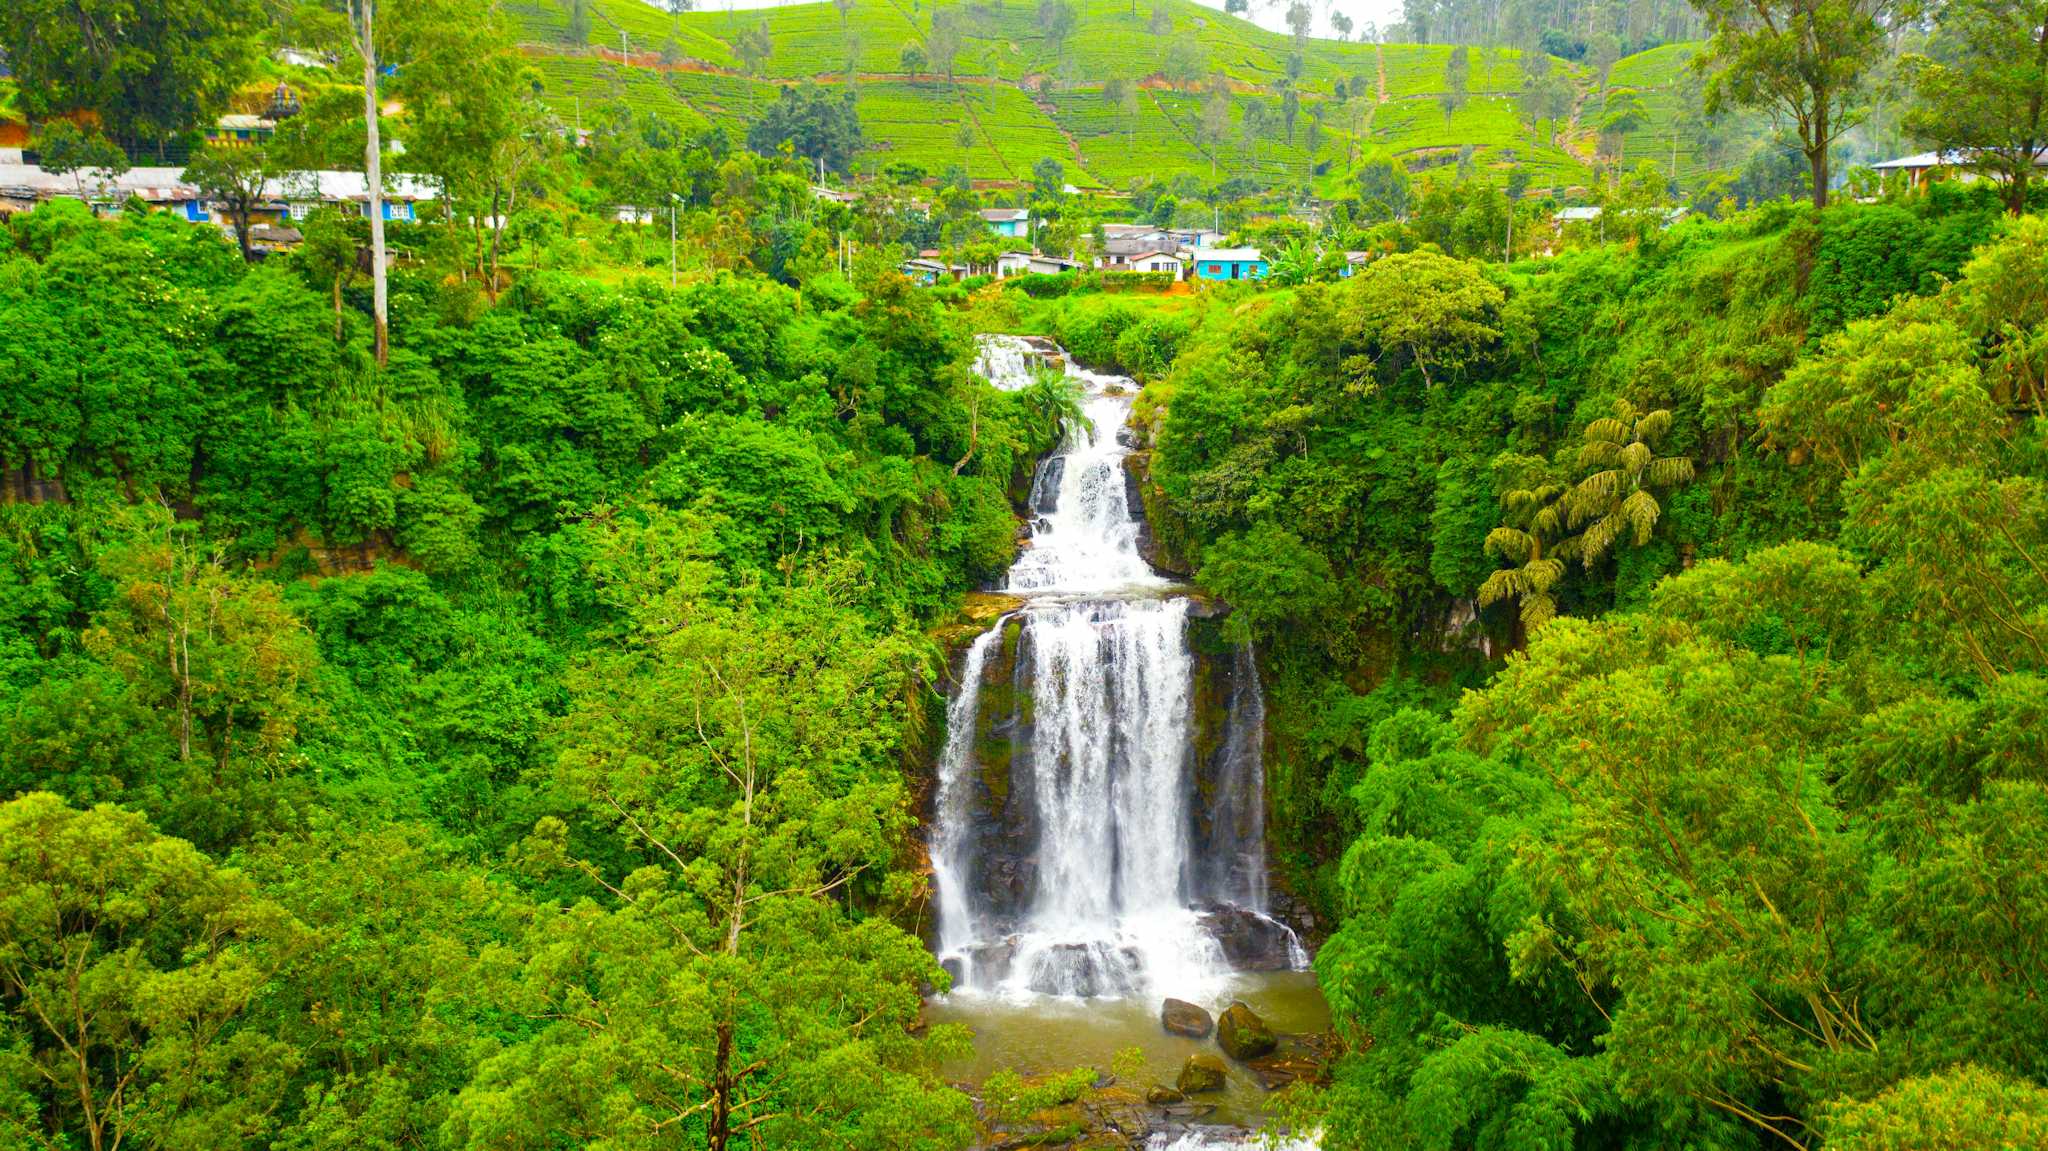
924, 271
1050, 265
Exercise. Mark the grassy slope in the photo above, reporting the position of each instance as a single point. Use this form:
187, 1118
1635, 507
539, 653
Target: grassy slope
1009, 129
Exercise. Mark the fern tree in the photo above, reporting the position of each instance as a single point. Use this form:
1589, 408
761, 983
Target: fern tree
1538, 549
1616, 500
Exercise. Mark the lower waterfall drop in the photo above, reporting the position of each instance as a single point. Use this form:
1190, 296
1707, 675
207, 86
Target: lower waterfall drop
1085, 846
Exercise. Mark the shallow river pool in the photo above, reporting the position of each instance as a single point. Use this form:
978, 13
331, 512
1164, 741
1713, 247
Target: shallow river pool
1046, 1034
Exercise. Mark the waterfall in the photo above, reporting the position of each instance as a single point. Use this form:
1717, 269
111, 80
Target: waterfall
1080, 848
952, 800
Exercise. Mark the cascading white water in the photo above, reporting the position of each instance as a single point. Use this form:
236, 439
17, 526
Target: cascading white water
951, 801
1110, 900
1084, 537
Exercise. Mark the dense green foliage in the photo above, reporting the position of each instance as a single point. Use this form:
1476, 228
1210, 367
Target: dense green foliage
518, 741
499, 746
1743, 848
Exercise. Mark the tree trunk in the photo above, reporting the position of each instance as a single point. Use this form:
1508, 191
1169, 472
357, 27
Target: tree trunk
373, 178
337, 309
497, 229
241, 215
1817, 152
720, 1130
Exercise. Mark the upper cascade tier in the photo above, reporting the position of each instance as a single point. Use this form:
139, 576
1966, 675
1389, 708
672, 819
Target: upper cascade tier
1085, 526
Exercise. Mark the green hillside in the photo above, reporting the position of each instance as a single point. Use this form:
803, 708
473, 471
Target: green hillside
1015, 97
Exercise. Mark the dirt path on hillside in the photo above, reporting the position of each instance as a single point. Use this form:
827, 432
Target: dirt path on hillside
1379, 59
1052, 114
1192, 142
1570, 140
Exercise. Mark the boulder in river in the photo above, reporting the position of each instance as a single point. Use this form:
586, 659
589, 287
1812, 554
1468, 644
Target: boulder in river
1161, 1094
1183, 1018
1202, 1073
1243, 1035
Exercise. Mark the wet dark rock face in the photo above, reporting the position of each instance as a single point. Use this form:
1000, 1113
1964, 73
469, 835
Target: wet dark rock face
1252, 942
1086, 970
1004, 831
1134, 498
1227, 821
1045, 488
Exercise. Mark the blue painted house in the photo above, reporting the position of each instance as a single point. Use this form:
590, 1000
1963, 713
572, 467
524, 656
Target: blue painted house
1229, 264
1012, 222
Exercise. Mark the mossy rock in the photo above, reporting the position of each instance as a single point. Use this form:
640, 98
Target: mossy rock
994, 755
978, 612
1243, 1035
1201, 1074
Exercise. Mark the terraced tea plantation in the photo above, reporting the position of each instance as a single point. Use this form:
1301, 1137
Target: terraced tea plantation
1015, 96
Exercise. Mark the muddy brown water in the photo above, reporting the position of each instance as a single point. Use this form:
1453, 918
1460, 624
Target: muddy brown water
1045, 1034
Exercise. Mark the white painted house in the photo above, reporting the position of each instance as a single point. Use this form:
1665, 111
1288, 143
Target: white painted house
1165, 262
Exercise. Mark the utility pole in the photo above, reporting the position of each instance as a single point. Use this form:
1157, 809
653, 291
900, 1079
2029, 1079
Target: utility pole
362, 27
625, 57
673, 200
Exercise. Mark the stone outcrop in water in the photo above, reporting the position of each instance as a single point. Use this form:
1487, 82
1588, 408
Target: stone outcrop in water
1243, 1035
1180, 1017
1160, 1095
1202, 1073
1251, 941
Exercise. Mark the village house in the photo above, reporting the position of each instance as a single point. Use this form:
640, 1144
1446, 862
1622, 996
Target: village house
286, 200
1118, 250
1928, 167
922, 271
926, 270
1161, 262
1014, 223
1229, 264
1193, 239
244, 129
